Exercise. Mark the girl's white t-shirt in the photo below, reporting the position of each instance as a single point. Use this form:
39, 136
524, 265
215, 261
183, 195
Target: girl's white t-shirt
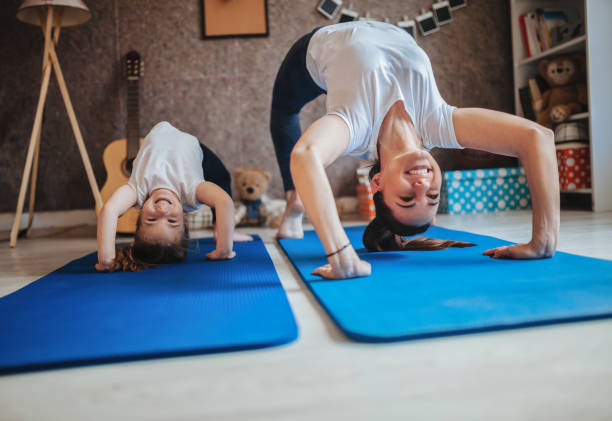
171, 159
366, 67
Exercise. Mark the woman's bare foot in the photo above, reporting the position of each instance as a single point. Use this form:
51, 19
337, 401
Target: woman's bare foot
291, 222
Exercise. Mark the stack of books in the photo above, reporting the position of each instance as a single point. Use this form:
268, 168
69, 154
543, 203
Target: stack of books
530, 93
543, 29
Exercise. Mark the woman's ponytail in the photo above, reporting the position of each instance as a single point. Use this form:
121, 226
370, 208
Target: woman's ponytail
378, 237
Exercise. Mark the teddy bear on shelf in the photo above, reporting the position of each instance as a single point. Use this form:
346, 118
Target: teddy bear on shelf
254, 208
567, 94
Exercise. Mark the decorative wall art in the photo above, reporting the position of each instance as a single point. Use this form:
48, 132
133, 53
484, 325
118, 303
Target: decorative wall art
428, 21
234, 18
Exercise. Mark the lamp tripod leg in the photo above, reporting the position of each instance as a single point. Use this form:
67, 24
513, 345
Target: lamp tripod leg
33, 183
34, 178
44, 87
75, 128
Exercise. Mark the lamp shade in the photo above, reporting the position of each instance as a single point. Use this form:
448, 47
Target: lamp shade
72, 12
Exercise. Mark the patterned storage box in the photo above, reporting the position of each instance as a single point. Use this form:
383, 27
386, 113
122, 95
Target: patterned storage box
574, 164
200, 219
365, 201
486, 190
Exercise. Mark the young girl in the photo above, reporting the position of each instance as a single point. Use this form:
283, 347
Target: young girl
383, 105
167, 180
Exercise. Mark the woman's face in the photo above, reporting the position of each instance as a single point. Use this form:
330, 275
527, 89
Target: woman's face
162, 218
410, 185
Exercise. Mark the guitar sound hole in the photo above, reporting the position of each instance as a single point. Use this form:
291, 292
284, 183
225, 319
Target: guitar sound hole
128, 165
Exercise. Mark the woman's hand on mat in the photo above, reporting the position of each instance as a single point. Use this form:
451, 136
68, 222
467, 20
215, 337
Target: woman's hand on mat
344, 266
520, 251
218, 254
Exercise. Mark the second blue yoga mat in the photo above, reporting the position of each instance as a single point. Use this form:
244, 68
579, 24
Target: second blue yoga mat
76, 316
420, 294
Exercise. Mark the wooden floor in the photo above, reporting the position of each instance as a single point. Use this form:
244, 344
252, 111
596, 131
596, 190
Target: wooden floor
561, 372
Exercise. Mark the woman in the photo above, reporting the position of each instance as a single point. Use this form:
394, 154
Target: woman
383, 105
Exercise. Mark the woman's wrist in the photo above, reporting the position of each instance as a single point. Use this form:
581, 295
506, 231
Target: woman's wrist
544, 244
344, 258
340, 250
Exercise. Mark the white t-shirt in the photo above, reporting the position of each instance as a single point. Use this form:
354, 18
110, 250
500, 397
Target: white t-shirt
171, 159
366, 67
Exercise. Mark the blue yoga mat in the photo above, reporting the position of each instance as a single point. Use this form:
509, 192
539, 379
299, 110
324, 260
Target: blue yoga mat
420, 294
75, 316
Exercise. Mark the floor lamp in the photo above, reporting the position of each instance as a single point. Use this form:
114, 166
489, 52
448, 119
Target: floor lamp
50, 15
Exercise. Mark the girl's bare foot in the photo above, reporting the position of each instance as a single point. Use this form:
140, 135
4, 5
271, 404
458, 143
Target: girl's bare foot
239, 237
291, 222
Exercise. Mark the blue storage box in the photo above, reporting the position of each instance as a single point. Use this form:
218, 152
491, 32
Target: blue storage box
486, 190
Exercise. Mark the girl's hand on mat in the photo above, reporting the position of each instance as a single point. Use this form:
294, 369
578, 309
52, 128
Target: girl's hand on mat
518, 251
218, 254
344, 267
105, 266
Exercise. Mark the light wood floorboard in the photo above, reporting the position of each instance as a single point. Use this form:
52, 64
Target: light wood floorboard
560, 372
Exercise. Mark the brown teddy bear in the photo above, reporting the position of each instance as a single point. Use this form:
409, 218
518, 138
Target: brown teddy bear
567, 94
254, 208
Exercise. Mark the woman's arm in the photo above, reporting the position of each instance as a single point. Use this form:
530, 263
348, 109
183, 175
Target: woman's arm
120, 201
214, 196
533, 144
320, 145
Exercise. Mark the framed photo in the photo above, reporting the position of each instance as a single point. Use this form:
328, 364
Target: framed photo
427, 23
408, 26
234, 18
442, 12
457, 4
329, 8
348, 15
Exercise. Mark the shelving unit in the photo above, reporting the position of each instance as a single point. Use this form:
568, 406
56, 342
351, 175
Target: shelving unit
597, 46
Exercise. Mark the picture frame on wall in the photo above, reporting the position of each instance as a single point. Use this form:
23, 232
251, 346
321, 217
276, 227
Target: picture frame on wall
234, 18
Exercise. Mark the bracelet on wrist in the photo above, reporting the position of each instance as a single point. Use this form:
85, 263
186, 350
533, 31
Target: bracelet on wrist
337, 251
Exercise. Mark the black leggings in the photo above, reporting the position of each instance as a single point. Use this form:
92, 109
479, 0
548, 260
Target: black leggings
293, 88
215, 172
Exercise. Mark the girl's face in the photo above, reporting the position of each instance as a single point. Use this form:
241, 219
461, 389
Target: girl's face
410, 185
162, 219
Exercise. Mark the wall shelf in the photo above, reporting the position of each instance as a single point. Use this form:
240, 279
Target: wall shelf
578, 191
574, 45
595, 45
579, 116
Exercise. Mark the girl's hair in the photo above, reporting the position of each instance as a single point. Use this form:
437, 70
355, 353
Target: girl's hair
142, 254
385, 233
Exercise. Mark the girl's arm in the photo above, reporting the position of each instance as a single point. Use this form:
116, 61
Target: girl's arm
534, 145
120, 201
320, 145
214, 196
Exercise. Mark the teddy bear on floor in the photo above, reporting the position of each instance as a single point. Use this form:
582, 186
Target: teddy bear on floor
254, 208
567, 94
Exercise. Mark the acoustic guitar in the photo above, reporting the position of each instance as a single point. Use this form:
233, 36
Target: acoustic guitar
119, 155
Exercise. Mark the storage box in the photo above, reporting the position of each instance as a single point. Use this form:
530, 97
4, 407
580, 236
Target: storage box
365, 200
486, 190
574, 164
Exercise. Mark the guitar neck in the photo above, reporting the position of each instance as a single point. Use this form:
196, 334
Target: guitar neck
133, 124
